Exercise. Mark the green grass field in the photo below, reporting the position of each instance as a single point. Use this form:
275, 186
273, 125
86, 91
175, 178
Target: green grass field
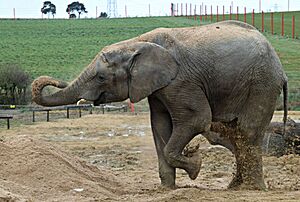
62, 48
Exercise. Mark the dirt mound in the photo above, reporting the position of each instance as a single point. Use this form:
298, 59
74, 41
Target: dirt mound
32, 169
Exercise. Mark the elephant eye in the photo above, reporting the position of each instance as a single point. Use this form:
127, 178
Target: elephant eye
101, 77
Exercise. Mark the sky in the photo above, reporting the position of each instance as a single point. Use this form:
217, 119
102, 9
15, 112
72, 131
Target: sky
31, 8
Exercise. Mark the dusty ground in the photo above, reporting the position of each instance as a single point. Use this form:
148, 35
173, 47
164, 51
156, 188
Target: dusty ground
112, 157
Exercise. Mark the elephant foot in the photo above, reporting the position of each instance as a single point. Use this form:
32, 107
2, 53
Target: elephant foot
167, 187
168, 183
238, 184
195, 165
235, 183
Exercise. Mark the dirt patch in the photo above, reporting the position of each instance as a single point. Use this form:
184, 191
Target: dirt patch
112, 157
37, 170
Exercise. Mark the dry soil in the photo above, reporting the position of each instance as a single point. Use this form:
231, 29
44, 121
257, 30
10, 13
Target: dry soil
112, 157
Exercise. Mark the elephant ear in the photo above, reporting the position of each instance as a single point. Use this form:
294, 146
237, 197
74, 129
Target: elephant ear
152, 68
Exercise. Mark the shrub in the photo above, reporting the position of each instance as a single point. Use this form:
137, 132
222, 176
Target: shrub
14, 84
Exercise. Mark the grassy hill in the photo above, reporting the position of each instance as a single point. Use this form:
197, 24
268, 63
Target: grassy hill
62, 48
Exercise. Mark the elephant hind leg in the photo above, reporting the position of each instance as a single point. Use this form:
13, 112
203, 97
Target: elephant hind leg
247, 140
248, 155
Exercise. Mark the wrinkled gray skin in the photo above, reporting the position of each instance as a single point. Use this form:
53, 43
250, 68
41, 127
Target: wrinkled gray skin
223, 77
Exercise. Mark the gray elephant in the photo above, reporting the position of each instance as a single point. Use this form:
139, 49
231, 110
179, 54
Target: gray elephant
223, 77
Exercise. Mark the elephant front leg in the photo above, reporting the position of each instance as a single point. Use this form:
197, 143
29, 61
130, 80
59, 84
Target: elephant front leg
189, 118
174, 156
162, 129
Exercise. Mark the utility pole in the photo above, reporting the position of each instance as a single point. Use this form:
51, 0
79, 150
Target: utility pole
112, 8
288, 5
259, 6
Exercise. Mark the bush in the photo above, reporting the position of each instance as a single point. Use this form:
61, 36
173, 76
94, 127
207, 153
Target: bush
14, 84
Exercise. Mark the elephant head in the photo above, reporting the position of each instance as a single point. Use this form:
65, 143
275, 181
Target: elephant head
124, 70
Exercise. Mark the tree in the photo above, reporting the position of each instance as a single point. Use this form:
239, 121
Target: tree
48, 7
103, 15
76, 6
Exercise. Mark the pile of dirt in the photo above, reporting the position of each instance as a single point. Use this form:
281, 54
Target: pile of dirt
32, 169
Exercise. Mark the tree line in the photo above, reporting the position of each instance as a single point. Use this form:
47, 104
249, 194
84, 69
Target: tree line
74, 7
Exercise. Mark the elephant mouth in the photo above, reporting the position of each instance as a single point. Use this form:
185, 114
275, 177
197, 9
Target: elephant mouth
100, 100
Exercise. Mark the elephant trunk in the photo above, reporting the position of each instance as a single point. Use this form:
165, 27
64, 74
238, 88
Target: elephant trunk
69, 94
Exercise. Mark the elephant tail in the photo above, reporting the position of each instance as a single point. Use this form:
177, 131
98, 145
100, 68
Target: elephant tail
285, 107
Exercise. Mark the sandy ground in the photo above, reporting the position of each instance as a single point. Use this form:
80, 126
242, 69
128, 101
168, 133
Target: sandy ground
112, 157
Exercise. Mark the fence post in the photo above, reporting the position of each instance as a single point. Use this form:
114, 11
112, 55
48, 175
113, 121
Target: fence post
126, 11
149, 9
185, 9
230, 17
177, 10
262, 22
237, 13
272, 23
190, 10
96, 12
217, 13
282, 24
245, 14
195, 16
211, 15
223, 17
253, 18
14, 10
205, 17
293, 27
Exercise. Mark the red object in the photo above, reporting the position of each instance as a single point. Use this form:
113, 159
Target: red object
282, 24
272, 23
245, 15
205, 13
293, 27
237, 13
217, 13
131, 106
211, 16
253, 17
262, 21
195, 16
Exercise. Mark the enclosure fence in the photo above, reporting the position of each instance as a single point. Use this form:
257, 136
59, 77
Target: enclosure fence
279, 23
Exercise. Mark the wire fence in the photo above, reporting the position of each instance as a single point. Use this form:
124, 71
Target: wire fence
280, 23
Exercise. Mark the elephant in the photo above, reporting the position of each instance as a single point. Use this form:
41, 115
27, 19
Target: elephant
220, 80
